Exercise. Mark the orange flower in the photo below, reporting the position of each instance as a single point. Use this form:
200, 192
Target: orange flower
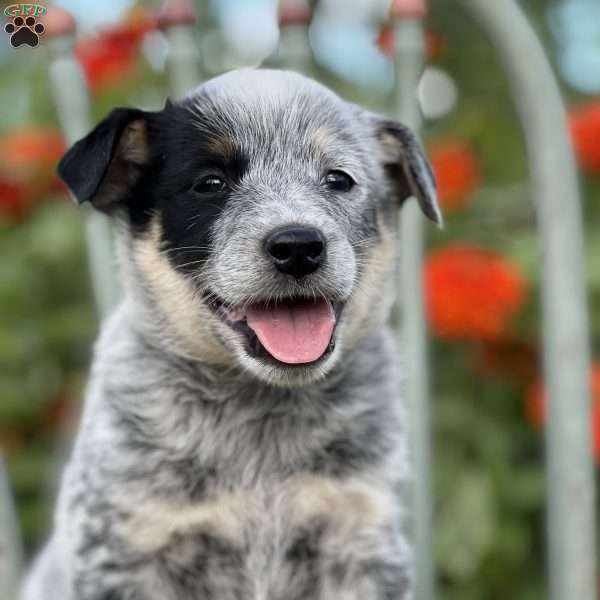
435, 43
29, 158
29, 153
457, 173
109, 58
535, 407
584, 123
471, 293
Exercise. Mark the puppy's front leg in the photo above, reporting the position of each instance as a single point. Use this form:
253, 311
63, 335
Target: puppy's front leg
349, 545
112, 593
109, 582
382, 572
107, 569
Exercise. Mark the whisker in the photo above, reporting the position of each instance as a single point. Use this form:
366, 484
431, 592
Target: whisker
374, 239
184, 249
193, 262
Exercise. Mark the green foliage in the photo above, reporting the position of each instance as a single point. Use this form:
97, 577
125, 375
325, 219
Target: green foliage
489, 461
47, 324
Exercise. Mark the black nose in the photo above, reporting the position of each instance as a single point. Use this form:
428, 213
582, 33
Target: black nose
296, 251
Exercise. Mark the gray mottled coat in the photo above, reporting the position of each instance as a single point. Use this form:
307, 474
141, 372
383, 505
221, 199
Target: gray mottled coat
202, 471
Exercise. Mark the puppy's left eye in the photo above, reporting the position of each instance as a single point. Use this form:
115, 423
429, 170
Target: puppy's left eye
211, 184
339, 181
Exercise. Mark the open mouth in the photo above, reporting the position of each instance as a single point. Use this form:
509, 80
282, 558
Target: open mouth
293, 331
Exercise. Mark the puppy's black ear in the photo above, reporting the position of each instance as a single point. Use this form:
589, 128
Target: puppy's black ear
104, 166
408, 167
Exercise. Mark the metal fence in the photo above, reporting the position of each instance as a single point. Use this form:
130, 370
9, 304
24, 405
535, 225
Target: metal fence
555, 194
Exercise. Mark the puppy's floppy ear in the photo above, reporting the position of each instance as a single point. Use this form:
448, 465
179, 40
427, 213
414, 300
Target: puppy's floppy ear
104, 166
408, 167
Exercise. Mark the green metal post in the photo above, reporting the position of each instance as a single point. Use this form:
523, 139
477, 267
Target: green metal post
408, 61
72, 104
294, 50
177, 18
554, 186
11, 551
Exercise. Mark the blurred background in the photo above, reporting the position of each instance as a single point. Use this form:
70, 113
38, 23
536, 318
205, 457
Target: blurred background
488, 399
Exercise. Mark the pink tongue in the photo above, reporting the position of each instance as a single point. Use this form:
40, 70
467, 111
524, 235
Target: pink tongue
293, 333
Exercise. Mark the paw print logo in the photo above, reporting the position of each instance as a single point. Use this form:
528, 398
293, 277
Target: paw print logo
24, 31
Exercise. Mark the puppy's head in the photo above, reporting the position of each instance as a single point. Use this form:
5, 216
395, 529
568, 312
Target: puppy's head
258, 215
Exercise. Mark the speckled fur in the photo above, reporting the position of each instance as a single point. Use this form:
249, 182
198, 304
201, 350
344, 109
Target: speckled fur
199, 472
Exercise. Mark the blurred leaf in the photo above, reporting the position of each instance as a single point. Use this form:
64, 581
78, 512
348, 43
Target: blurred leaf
467, 524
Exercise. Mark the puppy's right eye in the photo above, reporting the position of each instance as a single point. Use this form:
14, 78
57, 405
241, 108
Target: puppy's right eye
211, 184
339, 181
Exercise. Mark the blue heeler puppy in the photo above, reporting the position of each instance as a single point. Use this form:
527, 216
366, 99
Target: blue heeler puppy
242, 438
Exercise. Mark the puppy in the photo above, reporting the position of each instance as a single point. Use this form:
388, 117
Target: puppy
242, 436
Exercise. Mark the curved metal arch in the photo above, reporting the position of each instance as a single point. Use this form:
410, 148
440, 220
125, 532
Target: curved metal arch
571, 491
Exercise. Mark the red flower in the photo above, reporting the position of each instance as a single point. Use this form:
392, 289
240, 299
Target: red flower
584, 123
513, 358
535, 406
14, 202
435, 44
27, 169
104, 65
62, 411
385, 39
471, 293
457, 172
11, 442
109, 58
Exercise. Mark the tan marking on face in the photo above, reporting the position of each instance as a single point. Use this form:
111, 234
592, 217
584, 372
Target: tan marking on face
133, 145
389, 148
323, 138
184, 319
221, 146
